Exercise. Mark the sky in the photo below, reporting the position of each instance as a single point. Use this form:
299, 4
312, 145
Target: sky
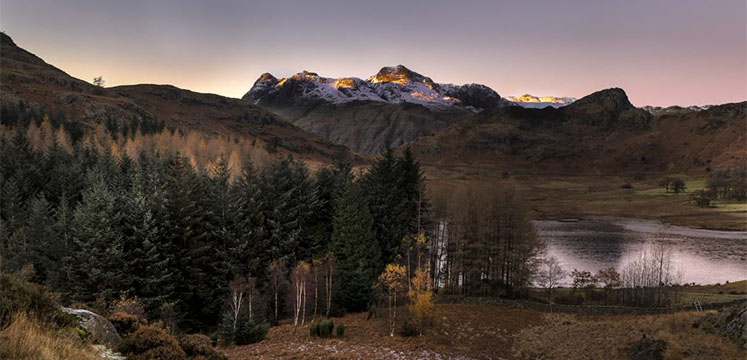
677, 52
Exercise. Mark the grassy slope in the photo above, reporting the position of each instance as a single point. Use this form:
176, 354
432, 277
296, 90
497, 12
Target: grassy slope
27, 339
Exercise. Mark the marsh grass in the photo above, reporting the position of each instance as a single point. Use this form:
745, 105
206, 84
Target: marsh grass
565, 336
26, 338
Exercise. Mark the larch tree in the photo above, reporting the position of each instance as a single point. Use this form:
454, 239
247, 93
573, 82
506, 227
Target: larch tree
422, 306
392, 281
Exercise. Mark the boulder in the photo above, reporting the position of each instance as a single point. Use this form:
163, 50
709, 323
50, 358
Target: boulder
647, 349
98, 328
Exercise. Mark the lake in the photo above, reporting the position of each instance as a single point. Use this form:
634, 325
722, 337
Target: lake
703, 256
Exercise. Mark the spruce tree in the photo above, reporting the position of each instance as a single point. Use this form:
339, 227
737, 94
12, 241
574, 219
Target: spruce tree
45, 249
98, 245
190, 225
148, 272
382, 190
356, 247
250, 248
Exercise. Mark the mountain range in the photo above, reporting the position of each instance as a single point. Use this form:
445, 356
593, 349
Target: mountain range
538, 102
448, 126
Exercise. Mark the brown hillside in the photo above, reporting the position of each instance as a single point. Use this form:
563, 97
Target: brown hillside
600, 135
26, 77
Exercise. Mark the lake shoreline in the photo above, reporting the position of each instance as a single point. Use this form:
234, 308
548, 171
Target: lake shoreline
576, 219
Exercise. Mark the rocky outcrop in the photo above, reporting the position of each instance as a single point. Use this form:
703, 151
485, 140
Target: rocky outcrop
479, 96
731, 323
98, 328
609, 108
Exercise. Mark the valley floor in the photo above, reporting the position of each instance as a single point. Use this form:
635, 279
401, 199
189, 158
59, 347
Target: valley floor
466, 331
585, 196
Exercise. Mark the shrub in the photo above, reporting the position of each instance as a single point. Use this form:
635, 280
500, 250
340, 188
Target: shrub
314, 329
325, 328
409, 328
341, 330
152, 343
198, 346
249, 332
246, 332
701, 198
36, 300
128, 305
126, 323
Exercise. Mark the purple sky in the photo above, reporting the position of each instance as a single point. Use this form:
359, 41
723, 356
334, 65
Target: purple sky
661, 52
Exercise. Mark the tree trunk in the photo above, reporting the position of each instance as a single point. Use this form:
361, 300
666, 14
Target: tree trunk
303, 306
316, 293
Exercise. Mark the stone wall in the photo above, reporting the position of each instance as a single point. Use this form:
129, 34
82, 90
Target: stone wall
577, 309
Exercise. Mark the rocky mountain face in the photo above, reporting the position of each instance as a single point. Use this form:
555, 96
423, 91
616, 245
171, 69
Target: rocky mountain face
539, 102
25, 77
394, 85
390, 108
607, 108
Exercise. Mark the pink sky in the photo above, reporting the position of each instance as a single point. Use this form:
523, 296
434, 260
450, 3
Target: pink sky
661, 52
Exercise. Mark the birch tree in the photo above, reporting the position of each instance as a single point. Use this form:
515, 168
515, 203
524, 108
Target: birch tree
300, 278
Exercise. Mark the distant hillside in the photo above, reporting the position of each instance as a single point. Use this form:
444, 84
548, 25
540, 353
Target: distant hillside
25, 77
600, 133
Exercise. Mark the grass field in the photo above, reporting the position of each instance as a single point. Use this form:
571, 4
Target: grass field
686, 295
496, 332
554, 196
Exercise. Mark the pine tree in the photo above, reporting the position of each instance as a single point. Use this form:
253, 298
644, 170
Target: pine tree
45, 249
148, 273
290, 201
250, 246
98, 245
356, 247
61, 279
64, 175
384, 197
12, 207
190, 225
329, 183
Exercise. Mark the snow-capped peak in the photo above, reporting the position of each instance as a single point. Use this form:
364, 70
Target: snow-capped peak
531, 101
395, 84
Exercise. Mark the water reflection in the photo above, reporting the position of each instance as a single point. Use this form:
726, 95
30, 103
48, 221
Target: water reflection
703, 256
